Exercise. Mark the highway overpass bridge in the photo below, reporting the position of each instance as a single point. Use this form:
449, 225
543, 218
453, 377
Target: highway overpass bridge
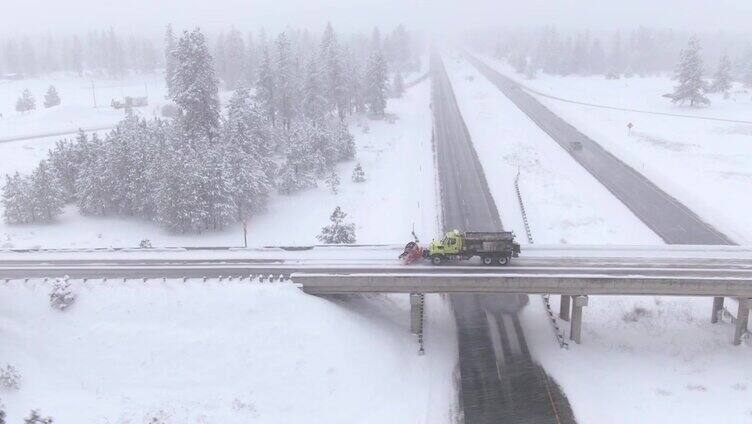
574, 272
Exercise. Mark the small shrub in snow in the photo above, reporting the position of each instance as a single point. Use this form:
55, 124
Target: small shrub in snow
636, 314
26, 102
36, 418
358, 176
51, 98
145, 244
332, 181
62, 296
338, 232
10, 378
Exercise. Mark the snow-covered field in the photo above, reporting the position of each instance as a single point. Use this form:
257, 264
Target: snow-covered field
77, 102
706, 165
643, 359
396, 156
225, 352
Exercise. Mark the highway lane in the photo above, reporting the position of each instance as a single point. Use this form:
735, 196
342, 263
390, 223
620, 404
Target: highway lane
494, 387
670, 219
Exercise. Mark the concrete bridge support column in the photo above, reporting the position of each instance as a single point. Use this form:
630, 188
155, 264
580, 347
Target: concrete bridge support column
564, 307
742, 318
575, 331
717, 308
417, 309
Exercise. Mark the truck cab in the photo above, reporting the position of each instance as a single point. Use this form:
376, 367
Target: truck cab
451, 244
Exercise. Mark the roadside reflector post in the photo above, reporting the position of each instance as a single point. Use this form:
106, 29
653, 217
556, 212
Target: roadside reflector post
717, 308
564, 307
742, 318
575, 331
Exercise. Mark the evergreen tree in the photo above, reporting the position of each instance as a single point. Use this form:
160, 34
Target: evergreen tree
36, 418
314, 102
51, 98
691, 86
169, 59
722, 77
235, 59
285, 82
266, 88
376, 83
358, 176
26, 102
338, 232
398, 85
46, 194
17, 206
330, 56
332, 181
195, 90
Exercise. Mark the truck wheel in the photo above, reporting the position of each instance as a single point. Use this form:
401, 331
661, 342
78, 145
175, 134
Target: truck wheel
437, 259
487, 260
503, 260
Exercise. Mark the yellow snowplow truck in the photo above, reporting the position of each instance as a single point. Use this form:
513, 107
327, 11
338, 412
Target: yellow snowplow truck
493, 248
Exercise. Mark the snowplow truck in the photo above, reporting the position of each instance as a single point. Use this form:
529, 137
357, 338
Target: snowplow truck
493, 248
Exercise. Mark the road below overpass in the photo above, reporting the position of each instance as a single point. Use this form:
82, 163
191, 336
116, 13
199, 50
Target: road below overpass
499, 381
671, 220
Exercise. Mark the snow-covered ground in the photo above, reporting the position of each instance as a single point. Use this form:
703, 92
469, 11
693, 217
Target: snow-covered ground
564, 203
707, 165
643, 359
225, 352
77, 108
400, 192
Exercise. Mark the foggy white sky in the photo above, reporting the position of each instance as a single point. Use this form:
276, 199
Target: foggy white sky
33, 16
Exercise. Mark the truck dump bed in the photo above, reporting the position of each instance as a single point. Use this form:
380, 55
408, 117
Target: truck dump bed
489, 236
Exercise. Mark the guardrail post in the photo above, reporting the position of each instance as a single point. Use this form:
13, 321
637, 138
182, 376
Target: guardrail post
575, 331
717, 308
564, 307
742, 318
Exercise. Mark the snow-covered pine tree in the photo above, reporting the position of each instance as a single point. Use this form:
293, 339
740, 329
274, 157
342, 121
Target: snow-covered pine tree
338, 232
266, 88
251, 60
51, 98
62, 159
169, 59
354, 87
195, 89
36, 418
358, 175
47, 195
331, 61
688, 72
16, 201
332, 181
376, 83
287, 87
398, 85
235, 59
62, 295
91, 194
722, 77
314, 104
26, 102
344, 142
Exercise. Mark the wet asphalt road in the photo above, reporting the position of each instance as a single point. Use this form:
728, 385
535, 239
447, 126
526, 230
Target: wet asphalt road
499, 382
662, 213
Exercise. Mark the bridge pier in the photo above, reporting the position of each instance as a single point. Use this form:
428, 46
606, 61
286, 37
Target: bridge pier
717, 308
575, 329
564, 307
742, 318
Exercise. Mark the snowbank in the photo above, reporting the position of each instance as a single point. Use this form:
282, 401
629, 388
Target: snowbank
223, 353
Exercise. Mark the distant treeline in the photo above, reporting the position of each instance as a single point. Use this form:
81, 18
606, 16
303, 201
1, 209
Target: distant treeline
642, 51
